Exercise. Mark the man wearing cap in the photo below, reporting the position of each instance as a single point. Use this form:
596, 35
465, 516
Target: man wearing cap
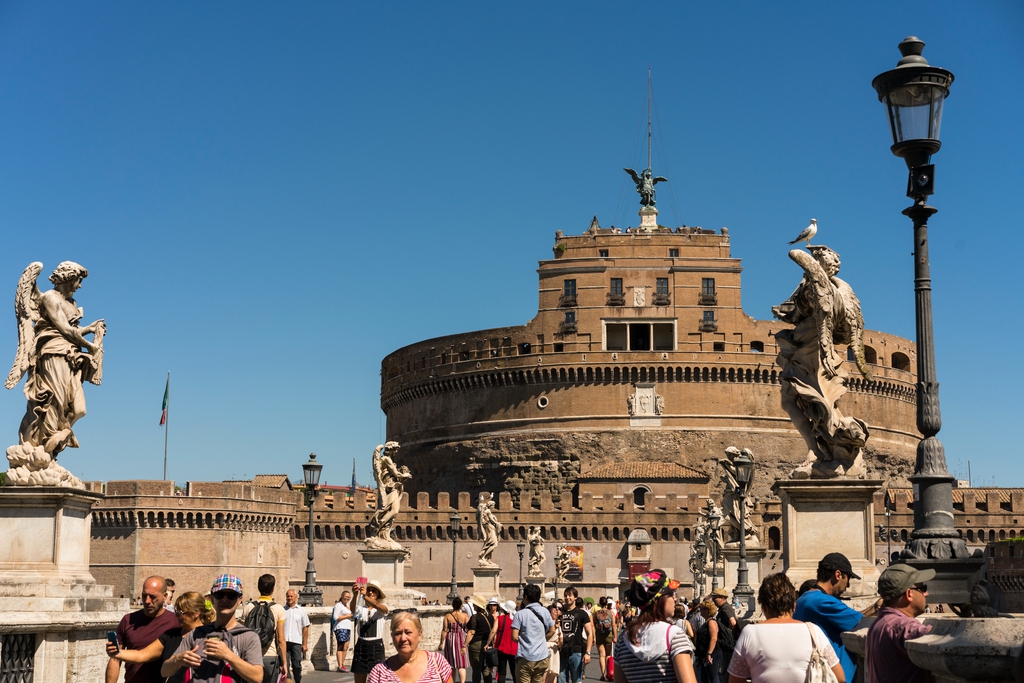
139, 629
904, 594
821, 605
225, 648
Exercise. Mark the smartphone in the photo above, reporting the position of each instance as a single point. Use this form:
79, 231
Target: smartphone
112, 639
361, 581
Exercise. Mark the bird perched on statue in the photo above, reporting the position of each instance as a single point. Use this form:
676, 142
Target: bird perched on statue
809, 232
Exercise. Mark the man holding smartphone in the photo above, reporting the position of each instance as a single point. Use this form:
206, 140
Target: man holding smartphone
140, 628
225, 648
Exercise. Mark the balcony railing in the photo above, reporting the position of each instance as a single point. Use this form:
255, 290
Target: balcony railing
567, 300
616, 299
709, 326
708, 299
662, 299
567, 327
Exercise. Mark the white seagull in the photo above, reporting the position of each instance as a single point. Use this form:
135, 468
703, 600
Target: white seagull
809, 232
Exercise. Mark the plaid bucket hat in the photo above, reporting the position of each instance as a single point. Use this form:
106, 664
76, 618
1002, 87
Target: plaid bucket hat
227, 582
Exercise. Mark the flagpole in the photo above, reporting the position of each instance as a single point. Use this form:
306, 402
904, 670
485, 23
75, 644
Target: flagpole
167, 422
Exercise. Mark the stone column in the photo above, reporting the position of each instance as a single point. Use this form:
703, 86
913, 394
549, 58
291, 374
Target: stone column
388, 568
485, 581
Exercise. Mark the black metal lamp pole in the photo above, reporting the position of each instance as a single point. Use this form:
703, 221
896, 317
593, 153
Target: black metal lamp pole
454, 519
743, 593
310, 595
913, 94
521, 547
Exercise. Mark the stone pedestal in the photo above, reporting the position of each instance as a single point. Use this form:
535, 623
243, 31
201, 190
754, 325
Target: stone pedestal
51, 607
387, 567
731, 556
536, 581
485, 581
822, 516
648, 218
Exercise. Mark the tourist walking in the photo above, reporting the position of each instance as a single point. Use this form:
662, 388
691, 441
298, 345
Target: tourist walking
453, 639
224, 650
605, 633
140, 628
554, 644
707, 650
904, 592
192, 610
341, 626
503, 641
369, 610
778, 649
821, 605
296, 633
531, 628
410, 664
266, 618
480, 629
577, 638
650, 649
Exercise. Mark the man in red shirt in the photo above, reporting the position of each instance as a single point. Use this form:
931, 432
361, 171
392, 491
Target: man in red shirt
904, 594
140, 628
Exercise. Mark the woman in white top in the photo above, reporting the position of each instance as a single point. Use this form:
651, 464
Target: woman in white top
778, 649
650, 649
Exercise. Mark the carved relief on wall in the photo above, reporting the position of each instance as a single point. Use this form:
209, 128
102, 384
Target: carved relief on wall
645, 401
639, 296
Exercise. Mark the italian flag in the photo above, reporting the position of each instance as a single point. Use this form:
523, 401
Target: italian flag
167, 390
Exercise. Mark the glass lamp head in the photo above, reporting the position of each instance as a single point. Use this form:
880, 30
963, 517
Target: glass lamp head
311, 472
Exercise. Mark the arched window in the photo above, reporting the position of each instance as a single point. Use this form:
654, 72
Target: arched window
970, 535
686, 534
900, 361
604, 533
757, 347
870, 355
615, 533
774, 538
638, 495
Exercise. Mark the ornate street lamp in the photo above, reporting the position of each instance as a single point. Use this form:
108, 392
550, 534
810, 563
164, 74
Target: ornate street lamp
743, 593
455, 520
310, 595
913, 94
715, 523
521, 547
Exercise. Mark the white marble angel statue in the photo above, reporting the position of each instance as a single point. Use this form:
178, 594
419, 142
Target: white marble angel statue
390, 484
537, 556
826, 313
55, 354
731, 500
489, 528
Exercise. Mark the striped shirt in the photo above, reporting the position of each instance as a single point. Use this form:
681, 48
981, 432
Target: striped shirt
438, 671
660, 643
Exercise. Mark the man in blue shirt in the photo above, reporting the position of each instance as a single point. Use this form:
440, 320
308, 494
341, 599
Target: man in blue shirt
531, 628
821, 605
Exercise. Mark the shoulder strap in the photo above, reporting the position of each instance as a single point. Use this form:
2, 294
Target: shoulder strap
814, 639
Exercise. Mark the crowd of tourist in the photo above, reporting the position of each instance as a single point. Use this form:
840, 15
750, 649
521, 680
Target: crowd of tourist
650, 636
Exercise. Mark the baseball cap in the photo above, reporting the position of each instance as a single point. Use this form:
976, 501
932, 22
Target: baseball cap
838, 561
899, 577
646, 588
227, 582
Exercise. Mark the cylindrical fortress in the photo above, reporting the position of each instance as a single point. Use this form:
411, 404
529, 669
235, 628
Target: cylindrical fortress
640, 351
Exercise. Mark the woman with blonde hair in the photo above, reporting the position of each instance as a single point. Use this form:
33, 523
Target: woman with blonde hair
410, 664
193, 610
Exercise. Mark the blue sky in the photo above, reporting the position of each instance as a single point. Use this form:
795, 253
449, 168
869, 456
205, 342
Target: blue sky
270, 198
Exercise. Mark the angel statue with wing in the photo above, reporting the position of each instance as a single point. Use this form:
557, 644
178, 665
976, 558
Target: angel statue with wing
645, 185
56, 356
826, 313
390, 486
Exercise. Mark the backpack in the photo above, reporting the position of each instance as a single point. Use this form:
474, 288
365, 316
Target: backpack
725, 636
603, 621
262, 621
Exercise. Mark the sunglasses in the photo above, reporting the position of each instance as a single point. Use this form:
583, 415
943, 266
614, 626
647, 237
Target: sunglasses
920, 588
225, 595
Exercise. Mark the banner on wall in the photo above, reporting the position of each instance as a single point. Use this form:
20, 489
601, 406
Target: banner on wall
575, 561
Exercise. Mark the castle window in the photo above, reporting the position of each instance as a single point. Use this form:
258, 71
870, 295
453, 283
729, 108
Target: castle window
616, 286
524, 349
559, 348
900, 361
640, 337
707, 286
570, 316
709, 316
719, 347
757, 347
603, 253
569, 288
673, 253
662, 286
664, 336
638, 495
870, 355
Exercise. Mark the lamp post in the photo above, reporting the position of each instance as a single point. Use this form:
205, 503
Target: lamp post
744, 464
455, 520
886, 533
521, 547
913, 94
715, 523
310, 595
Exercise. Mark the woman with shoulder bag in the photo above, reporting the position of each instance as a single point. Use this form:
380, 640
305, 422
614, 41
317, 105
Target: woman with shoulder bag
650, 649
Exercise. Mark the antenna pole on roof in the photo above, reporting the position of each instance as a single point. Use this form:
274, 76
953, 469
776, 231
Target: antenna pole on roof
649, 117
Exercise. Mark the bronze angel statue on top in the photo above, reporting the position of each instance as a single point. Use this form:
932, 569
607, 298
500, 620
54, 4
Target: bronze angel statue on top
826, 313
645, 185
55, 354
